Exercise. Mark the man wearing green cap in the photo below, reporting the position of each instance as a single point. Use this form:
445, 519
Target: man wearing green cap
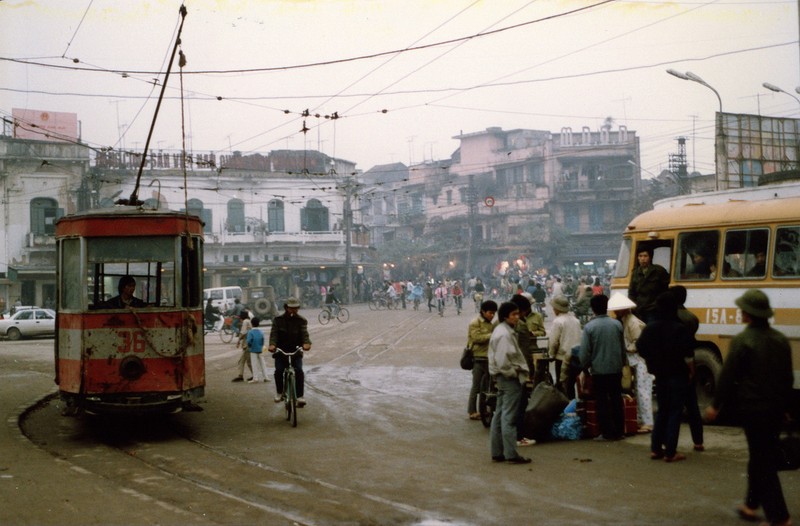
756, 382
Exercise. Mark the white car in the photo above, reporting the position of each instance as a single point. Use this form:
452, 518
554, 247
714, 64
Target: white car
29, 322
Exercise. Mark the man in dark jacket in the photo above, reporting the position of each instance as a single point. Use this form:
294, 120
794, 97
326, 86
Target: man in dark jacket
648, 281
667, 346
289, 331
756, 382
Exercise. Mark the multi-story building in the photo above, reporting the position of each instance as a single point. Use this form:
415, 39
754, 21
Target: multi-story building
276, 219
40, 181
524, 197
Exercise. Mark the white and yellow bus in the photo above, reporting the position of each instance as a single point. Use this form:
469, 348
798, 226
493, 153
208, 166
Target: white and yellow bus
718, 245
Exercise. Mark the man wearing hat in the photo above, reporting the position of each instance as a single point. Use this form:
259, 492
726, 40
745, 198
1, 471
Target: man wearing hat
756, 382
565, 333
289, 331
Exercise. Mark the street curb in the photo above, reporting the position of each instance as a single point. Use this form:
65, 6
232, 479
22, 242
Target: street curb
15, 420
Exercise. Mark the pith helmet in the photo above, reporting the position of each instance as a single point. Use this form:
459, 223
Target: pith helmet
560, 303
755, 303
292, 302
620, 301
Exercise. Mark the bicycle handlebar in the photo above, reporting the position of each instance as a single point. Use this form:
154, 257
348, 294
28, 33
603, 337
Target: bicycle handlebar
297, 350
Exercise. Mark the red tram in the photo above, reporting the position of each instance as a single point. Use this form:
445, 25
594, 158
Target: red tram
129, 322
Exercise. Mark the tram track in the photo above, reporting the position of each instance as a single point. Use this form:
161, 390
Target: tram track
149, 459
255, 475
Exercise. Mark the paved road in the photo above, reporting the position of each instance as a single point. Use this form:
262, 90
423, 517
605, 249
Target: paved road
384, 440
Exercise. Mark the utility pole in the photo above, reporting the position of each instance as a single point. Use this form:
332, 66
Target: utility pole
471, 204
348, 185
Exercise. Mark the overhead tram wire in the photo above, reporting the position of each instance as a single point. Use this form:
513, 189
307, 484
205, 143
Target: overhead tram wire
208, 97
88, 7
331, 62
394, 56
134, 198
579, 50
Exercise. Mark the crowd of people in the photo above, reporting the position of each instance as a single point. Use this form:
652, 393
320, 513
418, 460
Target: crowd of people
651, 332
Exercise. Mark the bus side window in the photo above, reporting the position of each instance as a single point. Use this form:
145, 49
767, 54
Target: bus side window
697, 255
745, 253
787, 252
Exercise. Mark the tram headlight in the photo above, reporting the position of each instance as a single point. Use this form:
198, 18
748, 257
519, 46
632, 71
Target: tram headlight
131, 368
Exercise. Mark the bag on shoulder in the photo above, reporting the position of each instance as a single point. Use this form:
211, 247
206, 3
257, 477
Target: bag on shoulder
467, 359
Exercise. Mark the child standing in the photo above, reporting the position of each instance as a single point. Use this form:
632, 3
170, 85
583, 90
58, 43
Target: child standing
255, 345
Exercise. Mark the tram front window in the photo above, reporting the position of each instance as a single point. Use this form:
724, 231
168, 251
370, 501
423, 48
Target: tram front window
149, 261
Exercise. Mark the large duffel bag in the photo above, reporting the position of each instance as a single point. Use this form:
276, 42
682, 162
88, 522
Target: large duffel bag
544, 407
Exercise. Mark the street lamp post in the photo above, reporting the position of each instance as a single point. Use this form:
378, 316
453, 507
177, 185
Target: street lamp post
776, 89
719, 136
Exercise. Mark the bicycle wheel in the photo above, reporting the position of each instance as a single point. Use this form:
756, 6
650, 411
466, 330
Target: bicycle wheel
291, 401
226, 334
324, 317
373, 305
487, 400
288, 390
343, 315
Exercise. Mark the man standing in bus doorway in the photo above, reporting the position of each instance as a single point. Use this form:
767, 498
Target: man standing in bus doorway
756, 383
289, 331
648, 281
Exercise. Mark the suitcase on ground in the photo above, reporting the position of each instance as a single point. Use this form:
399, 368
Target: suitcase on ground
629, 412
587, 411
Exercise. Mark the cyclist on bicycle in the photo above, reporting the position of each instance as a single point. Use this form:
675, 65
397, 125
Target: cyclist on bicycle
235, 314
539, 297
212, 314
331, 301
458, 295
441, 297
478, 335
289, 331
478, 291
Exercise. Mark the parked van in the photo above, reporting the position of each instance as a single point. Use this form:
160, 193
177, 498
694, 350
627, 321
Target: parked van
222, 297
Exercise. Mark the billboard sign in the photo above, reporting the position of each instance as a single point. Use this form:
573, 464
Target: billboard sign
754, 145
45, 125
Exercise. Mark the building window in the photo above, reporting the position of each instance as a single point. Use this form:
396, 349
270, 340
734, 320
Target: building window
314, 217
536, 174
449, 194
596, 222
236, 216
44, 212
572, 220
275, 216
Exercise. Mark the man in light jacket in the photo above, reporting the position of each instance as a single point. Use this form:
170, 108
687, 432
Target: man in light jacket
508, 367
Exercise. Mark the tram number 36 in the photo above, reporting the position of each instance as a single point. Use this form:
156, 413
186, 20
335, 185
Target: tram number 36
722, 316
131, 341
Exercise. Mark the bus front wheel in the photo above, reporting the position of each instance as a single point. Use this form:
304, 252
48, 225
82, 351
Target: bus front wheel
708, 367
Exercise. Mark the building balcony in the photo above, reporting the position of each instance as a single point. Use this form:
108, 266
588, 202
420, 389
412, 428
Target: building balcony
334, 237
45, 242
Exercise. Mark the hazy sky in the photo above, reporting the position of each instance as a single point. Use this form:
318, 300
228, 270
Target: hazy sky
542, 65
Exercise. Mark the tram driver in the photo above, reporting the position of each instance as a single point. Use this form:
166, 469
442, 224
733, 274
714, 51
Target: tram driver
125, 299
